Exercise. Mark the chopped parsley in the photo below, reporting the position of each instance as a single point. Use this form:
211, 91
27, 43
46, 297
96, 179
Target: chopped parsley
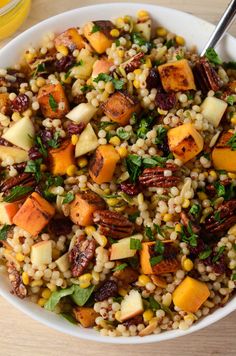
149, 233
161, 135
120, 267
122, 134
195, 209
105, 124
33, 166
3, 232
117, 42
205, 254
155, 161
17, 193
218, 254
68, 198
189, 237
159, 247
232, 142
178, 57
86, 88
154, 305
135, 244
133, 164
134, 216
230, 100
52, 102
155, 260
220, 189
234, 277
54, 142
217, 217
42, 148
212, 56
118, 83
96, 28
144, 126
170, 44
139, 40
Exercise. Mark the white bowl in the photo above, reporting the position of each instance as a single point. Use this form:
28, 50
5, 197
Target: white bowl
196, 32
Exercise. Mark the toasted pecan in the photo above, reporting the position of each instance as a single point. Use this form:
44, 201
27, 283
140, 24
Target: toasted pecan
23, 179
80, 256
133, 63
18, 288
154, 177
206, 76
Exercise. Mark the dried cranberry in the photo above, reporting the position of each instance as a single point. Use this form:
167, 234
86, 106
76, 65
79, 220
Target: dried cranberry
61, 226
74, 129
34, 153
78, 99
107, 290
20, 103
197, 249
138, 319
165, 101
20, 167
64, 64
153, 80
130, 188
164, 147
4, 142
219, 267
46, 135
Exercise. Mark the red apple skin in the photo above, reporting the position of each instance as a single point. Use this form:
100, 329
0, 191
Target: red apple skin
132, 315
101, 66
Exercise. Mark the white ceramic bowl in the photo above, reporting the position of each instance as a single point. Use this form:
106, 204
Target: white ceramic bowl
196, 32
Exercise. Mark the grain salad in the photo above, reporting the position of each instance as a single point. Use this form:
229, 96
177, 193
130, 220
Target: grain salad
118, 177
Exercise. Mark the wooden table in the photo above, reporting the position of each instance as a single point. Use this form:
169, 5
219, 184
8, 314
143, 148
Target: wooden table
22, 336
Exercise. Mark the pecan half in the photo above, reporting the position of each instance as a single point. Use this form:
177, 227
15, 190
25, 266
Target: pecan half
23, 179
113, 224
80, 256
154, 177
186, 219
130, 188
18, 287
205, 76
133, 63
126, 276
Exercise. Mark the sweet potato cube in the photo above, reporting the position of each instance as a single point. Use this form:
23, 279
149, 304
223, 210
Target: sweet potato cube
53, 101
34, 214
70, 39
98, 35
176, 76
103, 164
85, 316
61, 158
7, 212
120, 107
222, 155
190, 295
83, 207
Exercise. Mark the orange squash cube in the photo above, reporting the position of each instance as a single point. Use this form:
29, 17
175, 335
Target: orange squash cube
98, 35
34, 214
61, 158
70, 39
53, 101
86, 316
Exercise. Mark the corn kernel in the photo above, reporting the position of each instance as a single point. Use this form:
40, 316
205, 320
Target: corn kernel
120, 21
112, 201
85, 278
41, 302
71, 170
138, 71
63, 50
232, 175
187, 265
202, 195
148, 315
167, 217
162, 112
213, 174
20, 257
25, 278
141, 14
107, 191
148, 63
190, 316
122, 292
52, 287
38, 283
89, 230
136, 84
233, 120
119, 209
46, 294
84, 285
122, 151
186, 203
55, 253
43, 167
178, 228
115, 141
101, 239
29, 57
143, 279
82, 162
161, 31
121, 53
115, 32
95, 276
118, 315
74, 139
180, 40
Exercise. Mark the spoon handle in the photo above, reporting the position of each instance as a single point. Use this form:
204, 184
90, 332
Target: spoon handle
222, 26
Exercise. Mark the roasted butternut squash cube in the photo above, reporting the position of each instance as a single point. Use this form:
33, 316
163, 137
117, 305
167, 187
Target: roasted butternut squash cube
83, 207
190, 295
167, 265
70, 39
85, 316
61, 158
119, 108
34, 214
5, 103
53, 101
176, 76
98, 35
223, 156
103, 164
185, 142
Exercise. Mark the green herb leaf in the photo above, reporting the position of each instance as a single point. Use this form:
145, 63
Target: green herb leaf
170, 44
161, 135
118, 83
42, 148
154, 305
96, 28
190, 96
3, 232
68, 198
190, 237
33, 166
117, 42
178, 57
229, 65
133, 262
104, 124
120, 267
205, 254
135, 244
195, 209
234, 277
133, 164
230, 100
220, 189
212, 56
155, 161
54, 142
159, 247
68, 73
86, 88
158, 229
155, 260
16, 193
122, 134
218, 254
81, 295
134, 216
57, 296
144, 126
117, 299
149, 233
69, 318
52, 102
232, 142
139, 40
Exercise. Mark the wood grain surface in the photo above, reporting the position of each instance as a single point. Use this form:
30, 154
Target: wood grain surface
21, 336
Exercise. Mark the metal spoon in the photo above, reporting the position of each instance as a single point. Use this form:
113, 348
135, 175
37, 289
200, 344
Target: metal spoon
224, 23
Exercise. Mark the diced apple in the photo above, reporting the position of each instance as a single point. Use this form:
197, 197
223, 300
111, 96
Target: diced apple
63, 263
144, 28
131, 305
17, 154
84, 70
82, 113
87, 142
122, 249
21, 133
213, 110
7, 212
41, 253
102, 65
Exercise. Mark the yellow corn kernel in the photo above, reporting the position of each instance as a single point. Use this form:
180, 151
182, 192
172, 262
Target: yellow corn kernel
197, 170
119, 209
213, 174
118, 315
82, 162
41, 302
95, 276
71, 170
101, 239
187, 265
121, 53
29, 57
74, 139
178, 228
162, 112
180, 40
115, 141
63, 50
46, 293
25, 278
136, 84
112, 201
161, 31
107, 191
147, 315
142, 14
167, 217
122, 151
43, 167
16, 116
84, 285
89, 230
205, 174
233, 120
52, 287
143, 279
115, 32
138, 71
55, 253
148, 63
202, 195
40, 82
38, 283
190, 317
122, 292
232, 175
186, 203
120, 21
85, 278
20, 257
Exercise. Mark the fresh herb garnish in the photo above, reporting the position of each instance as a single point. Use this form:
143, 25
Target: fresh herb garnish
3, 232
190, 237
159, 247
122, 134
133, 163
118, 83
205, 254
105, 124
120, 267
54, 142
149, 233
144, 126
117, 42
161, 135
220, 189
68, 73
33, 166
218, 254
68, 198
195, 209
135, 244
134, 216
154, 305
178, 57
170, 44
86, 88
155, 260
42, 148
139, 40
217, 217
96, 28
158, 229
212, 56
16, 193
155, 161
232, 142
234, 277
230, 100
52, 102
69, 318
133, 262
81, 295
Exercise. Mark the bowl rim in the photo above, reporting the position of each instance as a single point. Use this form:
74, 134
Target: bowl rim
216, 315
